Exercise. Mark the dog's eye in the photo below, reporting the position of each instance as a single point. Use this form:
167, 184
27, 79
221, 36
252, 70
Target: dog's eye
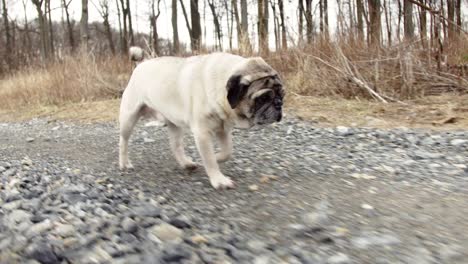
264, 98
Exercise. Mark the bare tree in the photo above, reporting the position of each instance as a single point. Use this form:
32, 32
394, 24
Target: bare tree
451, 4
130, 24
325, 17
84, 24
235, 10
388, 23
124, 22
42, 29
263, 26
154, 19
50, 27
444, 25
71, 38
276, 28
360, 23
423, 24
375, 23
284, 42
28, 42
309, 21
187, 23
230, 24
459, 16
6, 24
301, 21
408, 20
121, 36
103, 10
216, 24
245, 26
175, 28
196, 26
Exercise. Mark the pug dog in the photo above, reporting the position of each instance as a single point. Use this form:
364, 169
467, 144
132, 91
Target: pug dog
207, 95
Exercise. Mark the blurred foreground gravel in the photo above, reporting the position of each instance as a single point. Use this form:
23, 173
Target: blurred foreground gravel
304, 195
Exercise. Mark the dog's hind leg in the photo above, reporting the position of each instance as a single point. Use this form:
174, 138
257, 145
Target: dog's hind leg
127, 121
176, 138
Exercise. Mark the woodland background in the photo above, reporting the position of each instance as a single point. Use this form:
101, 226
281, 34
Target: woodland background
388, 51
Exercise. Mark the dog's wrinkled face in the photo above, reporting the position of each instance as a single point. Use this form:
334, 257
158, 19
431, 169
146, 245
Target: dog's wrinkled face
259, 102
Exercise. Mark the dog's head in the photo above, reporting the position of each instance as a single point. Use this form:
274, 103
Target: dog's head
255, 92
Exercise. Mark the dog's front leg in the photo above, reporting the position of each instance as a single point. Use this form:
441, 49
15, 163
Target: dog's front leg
204, 142
225, 144
176, 139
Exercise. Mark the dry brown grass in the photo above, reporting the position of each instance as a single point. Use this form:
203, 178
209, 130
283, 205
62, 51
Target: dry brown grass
400, 72
73, 79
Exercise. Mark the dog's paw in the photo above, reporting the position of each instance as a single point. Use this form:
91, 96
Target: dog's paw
126, 166
221, 182
190, 166
222, 157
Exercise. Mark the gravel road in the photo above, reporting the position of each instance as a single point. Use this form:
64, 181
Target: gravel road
304, 195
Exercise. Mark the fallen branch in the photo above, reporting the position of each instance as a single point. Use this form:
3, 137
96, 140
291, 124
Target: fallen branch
352, 78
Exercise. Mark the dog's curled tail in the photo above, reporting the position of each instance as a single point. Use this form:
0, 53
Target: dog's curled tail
136, 54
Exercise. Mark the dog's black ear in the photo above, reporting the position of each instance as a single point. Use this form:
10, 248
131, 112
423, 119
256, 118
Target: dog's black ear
235, 90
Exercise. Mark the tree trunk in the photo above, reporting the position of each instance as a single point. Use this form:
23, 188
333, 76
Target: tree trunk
154, 19
42, 30
71, 38
130, 26
321, 16
50, 27
360, 23
352, 19
124, 22
229, 25
121, 37
423, 25
451, 19
301, 22
28, 41
196, 26
187, 23
275, 26
459, 17
216, 23
8, 46
245, 40
284, 41
108, 30
325, 18
84, 24
263, 26
444, 25
375, 23
175, 29
238, 23
309, 21
104, 12
408, 20
388, 19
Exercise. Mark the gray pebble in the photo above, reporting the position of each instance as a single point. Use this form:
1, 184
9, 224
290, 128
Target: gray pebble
129, 225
